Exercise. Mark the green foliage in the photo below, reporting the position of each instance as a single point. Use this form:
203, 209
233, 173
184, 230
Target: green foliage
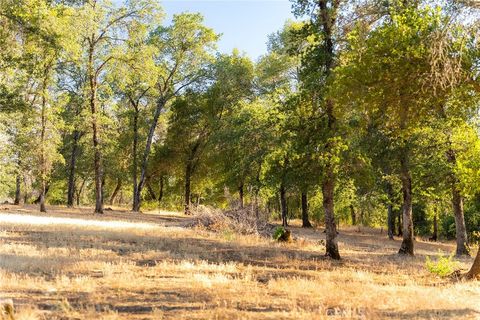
443, 266
279, 233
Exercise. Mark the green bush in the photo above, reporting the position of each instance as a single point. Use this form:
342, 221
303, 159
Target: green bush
444, 266
279, 233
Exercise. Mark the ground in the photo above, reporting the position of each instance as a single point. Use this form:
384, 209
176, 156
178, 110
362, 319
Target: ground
71, 264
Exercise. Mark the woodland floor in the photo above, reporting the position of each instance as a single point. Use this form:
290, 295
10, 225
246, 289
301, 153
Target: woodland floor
71, 264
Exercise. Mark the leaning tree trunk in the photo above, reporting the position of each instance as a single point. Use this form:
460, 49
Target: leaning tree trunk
18, 183
461, 230
79, 192
407, 246
283, 205
151, 193
148, 146
328, 188
71, 169
160, 192
474, 272
115, 192
305, 222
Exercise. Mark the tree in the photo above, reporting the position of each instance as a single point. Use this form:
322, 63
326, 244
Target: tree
390, 70
183, 50
197, 116
104, 25
317, 67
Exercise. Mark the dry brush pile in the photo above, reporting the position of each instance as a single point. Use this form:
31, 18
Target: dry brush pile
245, 220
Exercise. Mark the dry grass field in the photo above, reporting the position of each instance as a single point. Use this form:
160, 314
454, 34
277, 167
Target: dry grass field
70, 264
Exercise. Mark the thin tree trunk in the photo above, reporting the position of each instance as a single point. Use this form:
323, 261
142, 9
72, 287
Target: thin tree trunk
240, 195
390, 213
152, 194
115, 192
18, 182
43, 171
79, 192
353, 214
283, 205
71, 172
305, 222
188, 177
98, 166
143, 171
391, 221
461, 230
400, 224
136, 194
474, 272
160, 192
407, 246
25, 194
435, 227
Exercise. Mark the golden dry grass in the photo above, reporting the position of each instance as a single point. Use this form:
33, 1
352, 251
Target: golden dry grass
126, 266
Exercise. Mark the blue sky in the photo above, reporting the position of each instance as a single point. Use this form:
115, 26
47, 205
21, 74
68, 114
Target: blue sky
245, 24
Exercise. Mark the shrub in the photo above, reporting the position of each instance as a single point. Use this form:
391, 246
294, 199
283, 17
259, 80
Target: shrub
443, 267
281, 234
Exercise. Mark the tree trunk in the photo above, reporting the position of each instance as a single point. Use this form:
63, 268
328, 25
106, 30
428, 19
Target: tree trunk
18, 182
283, 205
390, 213
407, 246
79, 192
43, 164
148, 146
435, 227
328, 188
115, 192
353, 214
391, 221
188, 177
399, 216
25, 193
474, 272
152, 194
136, 193
461, 231
71, 172
240, 195
98, 166
160, 192
305, 222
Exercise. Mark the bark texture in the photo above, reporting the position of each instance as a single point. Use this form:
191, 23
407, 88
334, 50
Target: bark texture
407, 246
474, 272
71, 169
305, 221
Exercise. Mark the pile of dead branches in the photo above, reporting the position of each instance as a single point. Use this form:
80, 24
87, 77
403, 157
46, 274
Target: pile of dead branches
240, 220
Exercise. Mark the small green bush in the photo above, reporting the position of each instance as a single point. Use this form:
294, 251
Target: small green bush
278, 233
444, 266
281, 234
